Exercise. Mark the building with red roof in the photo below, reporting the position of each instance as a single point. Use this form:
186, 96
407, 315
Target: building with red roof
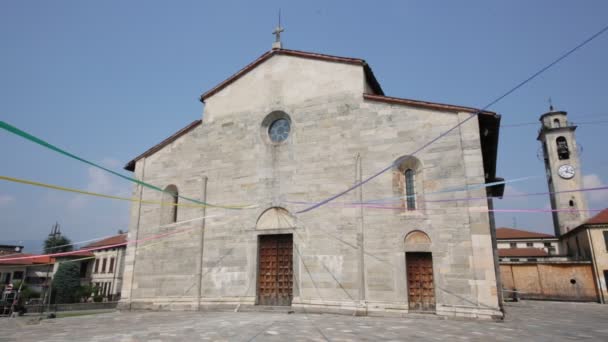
590, 241
106, 268
573, 266
524, 245
34, 269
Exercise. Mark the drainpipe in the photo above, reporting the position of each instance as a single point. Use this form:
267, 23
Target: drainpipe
497, 272
361, 235
200, 268
141, 192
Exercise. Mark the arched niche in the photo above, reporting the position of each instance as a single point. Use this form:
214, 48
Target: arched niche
417, 241
169, 200
275, 218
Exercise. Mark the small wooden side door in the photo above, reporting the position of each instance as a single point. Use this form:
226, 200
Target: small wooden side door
275, 271
421, 287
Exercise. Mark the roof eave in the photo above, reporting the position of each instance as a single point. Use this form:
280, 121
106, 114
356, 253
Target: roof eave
369, 75
130, 166
426, 104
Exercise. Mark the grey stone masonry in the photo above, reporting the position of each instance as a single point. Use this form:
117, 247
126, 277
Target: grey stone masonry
346, 259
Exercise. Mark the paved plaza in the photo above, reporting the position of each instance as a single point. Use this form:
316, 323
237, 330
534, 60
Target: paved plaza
526, 321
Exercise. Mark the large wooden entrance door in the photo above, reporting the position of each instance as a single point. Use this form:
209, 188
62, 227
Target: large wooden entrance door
275, 271
421, 289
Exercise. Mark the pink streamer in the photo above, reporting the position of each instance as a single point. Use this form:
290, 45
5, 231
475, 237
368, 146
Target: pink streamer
154, 237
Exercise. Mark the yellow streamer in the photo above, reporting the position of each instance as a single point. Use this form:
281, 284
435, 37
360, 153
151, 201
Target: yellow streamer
82, 192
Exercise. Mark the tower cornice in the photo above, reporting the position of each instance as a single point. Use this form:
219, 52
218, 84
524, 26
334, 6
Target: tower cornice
544, 130
559, 112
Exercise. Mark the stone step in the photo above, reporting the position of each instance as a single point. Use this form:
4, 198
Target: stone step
265, 308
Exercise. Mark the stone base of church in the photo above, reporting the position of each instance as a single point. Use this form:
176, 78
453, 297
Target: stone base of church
369, 308
385, 309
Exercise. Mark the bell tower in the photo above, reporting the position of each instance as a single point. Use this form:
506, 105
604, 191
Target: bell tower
563, 167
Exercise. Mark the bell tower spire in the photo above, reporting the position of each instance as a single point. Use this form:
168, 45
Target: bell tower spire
563, 166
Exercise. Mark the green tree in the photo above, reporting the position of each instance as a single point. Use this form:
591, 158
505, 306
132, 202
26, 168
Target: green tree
67, 282
85, 292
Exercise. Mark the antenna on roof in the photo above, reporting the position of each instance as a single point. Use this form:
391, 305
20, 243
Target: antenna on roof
550, 105
55, 230
277, 33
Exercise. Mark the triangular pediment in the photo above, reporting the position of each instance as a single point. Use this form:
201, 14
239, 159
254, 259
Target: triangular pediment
295, 53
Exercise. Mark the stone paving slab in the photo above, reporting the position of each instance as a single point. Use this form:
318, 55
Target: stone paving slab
525, 321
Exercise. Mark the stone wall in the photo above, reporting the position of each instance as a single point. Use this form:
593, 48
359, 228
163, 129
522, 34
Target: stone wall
331, 127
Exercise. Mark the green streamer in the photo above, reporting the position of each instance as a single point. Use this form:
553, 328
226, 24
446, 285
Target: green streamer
25, 135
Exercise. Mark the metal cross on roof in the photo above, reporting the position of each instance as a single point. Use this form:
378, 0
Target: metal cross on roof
277, 32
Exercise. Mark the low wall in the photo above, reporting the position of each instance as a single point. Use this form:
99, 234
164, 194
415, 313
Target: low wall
72, 307
569, 281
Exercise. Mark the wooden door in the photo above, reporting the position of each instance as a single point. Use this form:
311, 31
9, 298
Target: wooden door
275, 271
421, 288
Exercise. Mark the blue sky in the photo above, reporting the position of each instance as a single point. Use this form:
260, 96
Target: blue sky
107, 80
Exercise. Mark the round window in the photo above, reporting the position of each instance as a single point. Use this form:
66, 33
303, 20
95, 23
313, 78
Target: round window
279, 130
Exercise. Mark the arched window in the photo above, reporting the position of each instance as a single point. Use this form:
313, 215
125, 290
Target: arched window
556, 123
562, 148
408, 183
410, 189
169, 205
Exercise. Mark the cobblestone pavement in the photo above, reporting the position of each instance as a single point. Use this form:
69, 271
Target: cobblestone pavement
526, 321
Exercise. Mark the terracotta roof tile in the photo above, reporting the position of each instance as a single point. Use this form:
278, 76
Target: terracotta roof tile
113, 240
521, 252
512, 233
77, 254
33, 261
601, 217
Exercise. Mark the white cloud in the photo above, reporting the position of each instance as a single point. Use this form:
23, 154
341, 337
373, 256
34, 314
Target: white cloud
100, 181
510, 190
597, 197
6, 200
111, 163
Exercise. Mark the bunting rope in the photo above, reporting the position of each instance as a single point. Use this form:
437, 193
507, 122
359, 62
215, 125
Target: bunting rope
32, 138
83, 192
147, 245
453, 189
153, 237
65, 245
510, 91
488, 210
372, 203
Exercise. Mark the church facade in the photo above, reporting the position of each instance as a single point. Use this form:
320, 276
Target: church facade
291, 129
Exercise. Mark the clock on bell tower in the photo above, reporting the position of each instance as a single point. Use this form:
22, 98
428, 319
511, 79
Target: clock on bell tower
563, 168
